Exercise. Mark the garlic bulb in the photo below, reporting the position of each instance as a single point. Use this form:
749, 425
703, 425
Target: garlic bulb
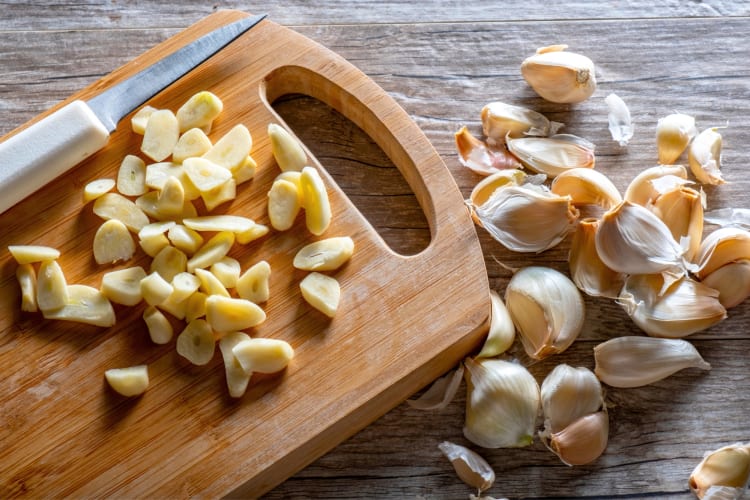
683, 308
638, 361
502, 403
559, 76
726, 469
588, 272
469, 466
704, 157
526, 218
586, 186
653, 181
500, 120
725, 245
732, 281
583, 441
568, 394
546, 308
553, 155
620, 123
673, 134
481, 158
502, 331
681, 209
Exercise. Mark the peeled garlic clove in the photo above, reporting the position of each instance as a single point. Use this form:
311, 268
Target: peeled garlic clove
728, 467
546, 308
704, 157
441, 392
583, 441
481, 158
681, 209
732, 281
588, 272
559, 76
620, 123
469, 465
586, 186
653, 181
673, 134
568, 394
526, 219
484, 188
725, 245
502, 331
502, 403
500, 120
553, 155
681, 309
638, 361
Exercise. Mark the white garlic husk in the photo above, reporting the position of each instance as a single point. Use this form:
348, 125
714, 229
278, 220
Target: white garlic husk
560, 76
723, 473
586, 186
620, 122
469, 466
592, 276
502, 403
704, 157
569, 393
673, 134
681, 209
441, 392
500, 120
480, 157
546, 308
653, 181
502, 332
732, 281
553, 155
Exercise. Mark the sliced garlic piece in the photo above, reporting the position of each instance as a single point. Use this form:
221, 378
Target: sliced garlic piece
155, 289
232, 149
553, 155
441, 392
588, 272
245, 171
502, 332
251, 234
148, 204
568, 394
469, 466
140, 119
226, 270
586, 186
158, 173
29, 254
51, 287
283, 204
131, 177
128, 382
196, 342
704, 157
124, 285
171, 199
195, 306
212, 251
174, 306
720, 247
481, 158
727, 467
205, 174
115, 206
112, 242
169, 262
161, 135
184, 285
220, 194
26, 277
583, 441
185, 239
653, 181
263, 355
153, 244
316, 203
84, 304
253, 284
673, 134
286, 150
559, 76
97, 188
226, 314
199, 111
681, 209
210, 284
322, 292
219, 223
638, 361
620, 123
324, 255
237, 379
159, 328
500, 120
732, 281
191, 144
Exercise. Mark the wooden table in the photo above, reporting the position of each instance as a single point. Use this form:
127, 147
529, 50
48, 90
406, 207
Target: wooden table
442, 61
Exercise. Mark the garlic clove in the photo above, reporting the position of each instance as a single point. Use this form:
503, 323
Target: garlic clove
620, 123
553, 155
637, 361
732, 281
727, 467
586, 186
583, 441
502, 331
681, 309
484, 188
441, 392
568, 394
469, 465
500, 120
704, 157
480, 157
681, 209
502, 403
673, 134
559, 76
588, 272
653, 181
725, 245
546, 308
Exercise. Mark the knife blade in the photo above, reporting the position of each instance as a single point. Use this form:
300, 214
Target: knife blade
50, 147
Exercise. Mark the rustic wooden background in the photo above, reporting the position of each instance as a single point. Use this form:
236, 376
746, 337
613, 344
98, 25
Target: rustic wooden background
442, 61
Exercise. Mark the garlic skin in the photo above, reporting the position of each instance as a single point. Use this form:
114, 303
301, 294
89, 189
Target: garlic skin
704, 157
559, 76
553, 155
725, 245
481, 158
637, 361
683, 308
620, 123
500, 120
653, 181
546, 308
502, 403
588, 272
484, 188
673, 134
568, 394
732, 281
681, 209
586, 186
726, 469
502, 332
469, 466
441, 392
583, 441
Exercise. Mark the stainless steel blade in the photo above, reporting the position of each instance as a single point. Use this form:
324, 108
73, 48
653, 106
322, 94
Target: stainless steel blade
115, 103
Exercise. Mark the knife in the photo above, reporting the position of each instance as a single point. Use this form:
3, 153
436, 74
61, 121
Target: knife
61, 140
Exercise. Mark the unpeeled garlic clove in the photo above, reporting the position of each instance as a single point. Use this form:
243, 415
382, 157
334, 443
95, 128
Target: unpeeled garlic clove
553, 155
720, 247
568, 394
732, 281
480, 157
673, 134
586, 186
637, 361
727, 469
502, 331
620, 123
559, 76
681, 309
546, 308
484, 188
587, 270
653, 181
681, 209
502, 403
583, 441
704, 157
469, 466
500, 120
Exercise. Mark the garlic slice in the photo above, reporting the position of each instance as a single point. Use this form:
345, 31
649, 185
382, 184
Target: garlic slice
732, 281
546, 308
480, 157
84, 304
469, 465
586, 186
502, 403
681, 209
559, 76
568, 394
237, 378
588, 272
500, 120
441, 392
673, 134
553, 155
704, 157
620, 123
720, 247
727, 468
583, 441
502, 331
653, 181
638, 361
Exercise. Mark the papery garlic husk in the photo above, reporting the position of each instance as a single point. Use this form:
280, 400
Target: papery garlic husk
546, 308
727, 467
441, 392
500, 120
559, 76
681, 209
620, 123
553, 155
739, 217
592, 276
502, 331
704, 157
732, 281
653, 181
583, 441
484, 188
673, 134
526, 218
637, 361
586, 186
469, 466
683, 308
720, 247
502, 403
480, 157
568, 394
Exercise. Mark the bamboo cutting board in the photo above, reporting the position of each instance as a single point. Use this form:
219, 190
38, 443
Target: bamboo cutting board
403, 320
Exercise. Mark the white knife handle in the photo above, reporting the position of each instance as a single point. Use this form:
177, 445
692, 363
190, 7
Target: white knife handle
46, 149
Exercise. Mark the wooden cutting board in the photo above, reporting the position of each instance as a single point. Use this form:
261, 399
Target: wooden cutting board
403, 320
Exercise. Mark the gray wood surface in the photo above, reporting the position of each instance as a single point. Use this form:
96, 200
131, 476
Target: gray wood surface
442, 62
